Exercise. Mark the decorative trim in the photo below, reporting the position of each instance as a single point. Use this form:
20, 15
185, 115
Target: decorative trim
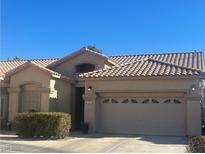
177, 101
155, 101
114, 101
125, 101
167, 101
134, 101
145, 101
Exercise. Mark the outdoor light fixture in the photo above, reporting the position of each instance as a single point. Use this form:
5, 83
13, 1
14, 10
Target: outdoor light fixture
193, 88
89, 89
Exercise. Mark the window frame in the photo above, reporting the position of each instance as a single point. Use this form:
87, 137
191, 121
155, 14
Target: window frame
81, 64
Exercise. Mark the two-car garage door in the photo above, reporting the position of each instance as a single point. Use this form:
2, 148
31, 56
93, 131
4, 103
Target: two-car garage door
156, 115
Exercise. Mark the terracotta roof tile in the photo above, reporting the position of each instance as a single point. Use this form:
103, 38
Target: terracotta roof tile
165, 64
31, 63
6, 66
144, 67
190, 59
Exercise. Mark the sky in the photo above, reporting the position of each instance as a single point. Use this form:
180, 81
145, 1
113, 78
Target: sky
54, 28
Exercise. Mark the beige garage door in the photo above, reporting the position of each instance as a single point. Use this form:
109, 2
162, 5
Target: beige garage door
155, 115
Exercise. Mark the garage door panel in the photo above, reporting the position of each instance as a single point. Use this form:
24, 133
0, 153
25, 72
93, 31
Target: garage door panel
143, 117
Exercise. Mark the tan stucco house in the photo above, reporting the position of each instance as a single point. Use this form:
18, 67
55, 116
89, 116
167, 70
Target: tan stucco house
153, 94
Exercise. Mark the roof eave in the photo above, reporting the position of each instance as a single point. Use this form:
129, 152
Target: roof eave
143, 77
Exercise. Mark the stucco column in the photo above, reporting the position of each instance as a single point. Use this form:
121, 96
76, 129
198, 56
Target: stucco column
89, 110
13, 102
193, 115
45, 92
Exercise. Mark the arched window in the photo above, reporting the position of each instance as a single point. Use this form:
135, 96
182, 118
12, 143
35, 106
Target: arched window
83, 68
30, 98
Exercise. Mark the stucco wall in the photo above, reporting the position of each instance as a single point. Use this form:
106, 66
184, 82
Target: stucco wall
60, 96
30, 74
144, 85
68, 68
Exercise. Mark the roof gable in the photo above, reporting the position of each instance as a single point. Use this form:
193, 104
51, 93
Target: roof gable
30, 64
6, 66
79, 52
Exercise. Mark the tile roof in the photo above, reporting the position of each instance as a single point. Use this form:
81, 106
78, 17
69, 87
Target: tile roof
189, 59
6, 66
188, 62
143, 67
31, 63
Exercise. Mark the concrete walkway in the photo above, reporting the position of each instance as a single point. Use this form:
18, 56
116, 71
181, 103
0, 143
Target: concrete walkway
95, 143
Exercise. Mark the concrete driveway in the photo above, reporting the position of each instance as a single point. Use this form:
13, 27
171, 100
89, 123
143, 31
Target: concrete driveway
95, 143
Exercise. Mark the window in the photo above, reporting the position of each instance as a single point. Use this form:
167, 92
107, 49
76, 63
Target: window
83, 68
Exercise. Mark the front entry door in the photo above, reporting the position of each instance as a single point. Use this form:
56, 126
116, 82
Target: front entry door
79, 107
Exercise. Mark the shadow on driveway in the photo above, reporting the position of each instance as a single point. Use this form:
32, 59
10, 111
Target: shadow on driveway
165, 140
13, 136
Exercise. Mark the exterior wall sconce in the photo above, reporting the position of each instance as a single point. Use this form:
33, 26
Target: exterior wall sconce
89, 89
193, 88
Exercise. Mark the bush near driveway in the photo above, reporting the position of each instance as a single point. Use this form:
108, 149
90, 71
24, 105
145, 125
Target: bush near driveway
46, 124
197, 144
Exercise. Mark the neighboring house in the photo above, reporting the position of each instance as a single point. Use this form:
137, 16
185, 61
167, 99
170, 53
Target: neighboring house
153, 94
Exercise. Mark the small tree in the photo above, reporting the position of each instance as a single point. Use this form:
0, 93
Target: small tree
15, 58
94, 48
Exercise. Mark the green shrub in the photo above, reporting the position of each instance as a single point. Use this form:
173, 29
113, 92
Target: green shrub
46, 124
197, 144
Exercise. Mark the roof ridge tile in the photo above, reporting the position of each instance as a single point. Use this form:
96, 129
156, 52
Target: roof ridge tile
162, 53
29, 59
